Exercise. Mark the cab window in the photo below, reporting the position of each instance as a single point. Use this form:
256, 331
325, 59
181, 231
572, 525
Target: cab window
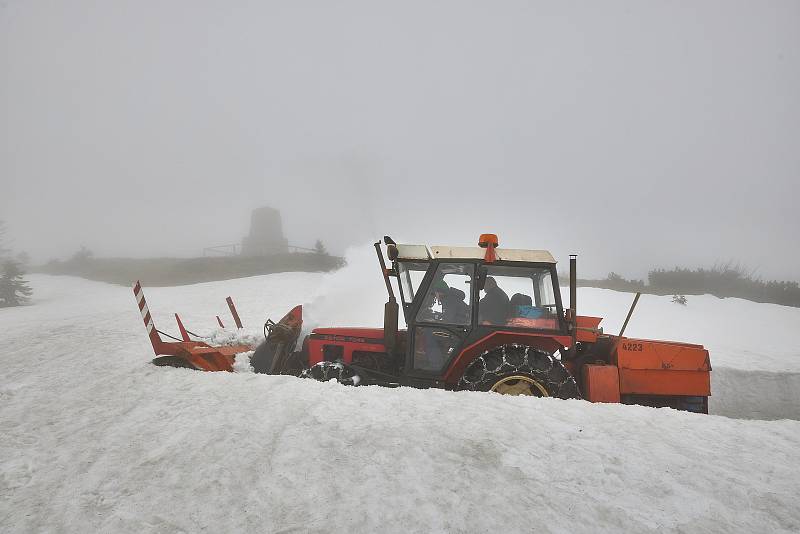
522, 297
448, 298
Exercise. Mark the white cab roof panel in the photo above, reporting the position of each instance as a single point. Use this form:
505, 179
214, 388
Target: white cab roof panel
421, 252
413, 252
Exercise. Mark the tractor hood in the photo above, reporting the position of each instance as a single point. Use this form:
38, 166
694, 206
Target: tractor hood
363, 335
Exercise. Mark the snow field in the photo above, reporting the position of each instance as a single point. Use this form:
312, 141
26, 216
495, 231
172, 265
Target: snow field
93, 438
171, 450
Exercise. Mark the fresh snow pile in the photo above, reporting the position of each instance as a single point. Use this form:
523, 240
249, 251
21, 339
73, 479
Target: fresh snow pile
95, 439
221, 337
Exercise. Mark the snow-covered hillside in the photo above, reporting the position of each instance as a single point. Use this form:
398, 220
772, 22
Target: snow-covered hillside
95, 439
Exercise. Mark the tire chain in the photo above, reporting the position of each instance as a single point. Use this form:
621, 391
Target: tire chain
325, 371
511, 363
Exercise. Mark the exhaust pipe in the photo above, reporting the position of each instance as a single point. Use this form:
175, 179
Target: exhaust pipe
573, 301
390, 309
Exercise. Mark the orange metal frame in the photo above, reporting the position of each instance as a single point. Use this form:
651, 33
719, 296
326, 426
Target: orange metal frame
198, 354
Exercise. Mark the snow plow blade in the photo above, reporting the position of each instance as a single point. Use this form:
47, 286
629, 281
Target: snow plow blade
274, 356
189, 354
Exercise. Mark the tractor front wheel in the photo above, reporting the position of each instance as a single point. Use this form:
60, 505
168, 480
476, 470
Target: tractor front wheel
515, 369
325, 371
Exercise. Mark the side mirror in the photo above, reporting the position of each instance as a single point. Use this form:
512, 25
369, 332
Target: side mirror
391, 251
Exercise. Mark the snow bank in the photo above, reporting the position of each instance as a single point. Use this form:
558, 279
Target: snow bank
171, 450
755, 394
94, 438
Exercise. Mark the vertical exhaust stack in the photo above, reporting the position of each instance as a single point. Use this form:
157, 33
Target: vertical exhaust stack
391, 309
573, 301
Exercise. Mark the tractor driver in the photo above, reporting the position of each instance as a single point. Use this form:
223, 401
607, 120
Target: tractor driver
454, 309
493, 307
433, 348
436, 296
430, 354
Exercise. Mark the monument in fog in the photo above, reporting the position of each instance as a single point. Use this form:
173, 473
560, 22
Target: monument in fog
266, 234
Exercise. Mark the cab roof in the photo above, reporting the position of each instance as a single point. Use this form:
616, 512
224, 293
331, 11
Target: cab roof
422, 252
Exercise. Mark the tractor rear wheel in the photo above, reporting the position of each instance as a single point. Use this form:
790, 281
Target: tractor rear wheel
515, 369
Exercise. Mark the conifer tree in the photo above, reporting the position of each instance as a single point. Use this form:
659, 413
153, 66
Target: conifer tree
14, 290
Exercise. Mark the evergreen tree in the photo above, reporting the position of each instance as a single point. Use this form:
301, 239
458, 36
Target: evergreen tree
14, 290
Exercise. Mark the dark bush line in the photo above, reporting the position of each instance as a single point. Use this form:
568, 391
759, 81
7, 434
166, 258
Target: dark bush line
181, 271
722, 281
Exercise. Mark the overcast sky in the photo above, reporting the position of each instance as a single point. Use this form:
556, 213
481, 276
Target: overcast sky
636, 133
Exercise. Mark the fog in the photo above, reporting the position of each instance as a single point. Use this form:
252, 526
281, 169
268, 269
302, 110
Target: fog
637, 134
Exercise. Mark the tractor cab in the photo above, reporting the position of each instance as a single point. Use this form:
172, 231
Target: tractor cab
455, 302
452, 297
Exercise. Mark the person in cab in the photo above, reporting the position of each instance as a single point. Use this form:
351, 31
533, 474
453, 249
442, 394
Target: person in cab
493, 307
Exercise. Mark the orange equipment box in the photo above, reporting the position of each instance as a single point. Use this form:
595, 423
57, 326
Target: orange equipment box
662, 367
600, 383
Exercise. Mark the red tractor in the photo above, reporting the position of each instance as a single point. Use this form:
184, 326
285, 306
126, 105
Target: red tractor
489, 319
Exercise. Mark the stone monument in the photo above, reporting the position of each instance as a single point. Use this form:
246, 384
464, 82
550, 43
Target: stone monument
266, 234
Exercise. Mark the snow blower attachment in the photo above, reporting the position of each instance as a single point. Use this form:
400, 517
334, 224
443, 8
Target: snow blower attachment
276, 355
185, 352
272, 356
